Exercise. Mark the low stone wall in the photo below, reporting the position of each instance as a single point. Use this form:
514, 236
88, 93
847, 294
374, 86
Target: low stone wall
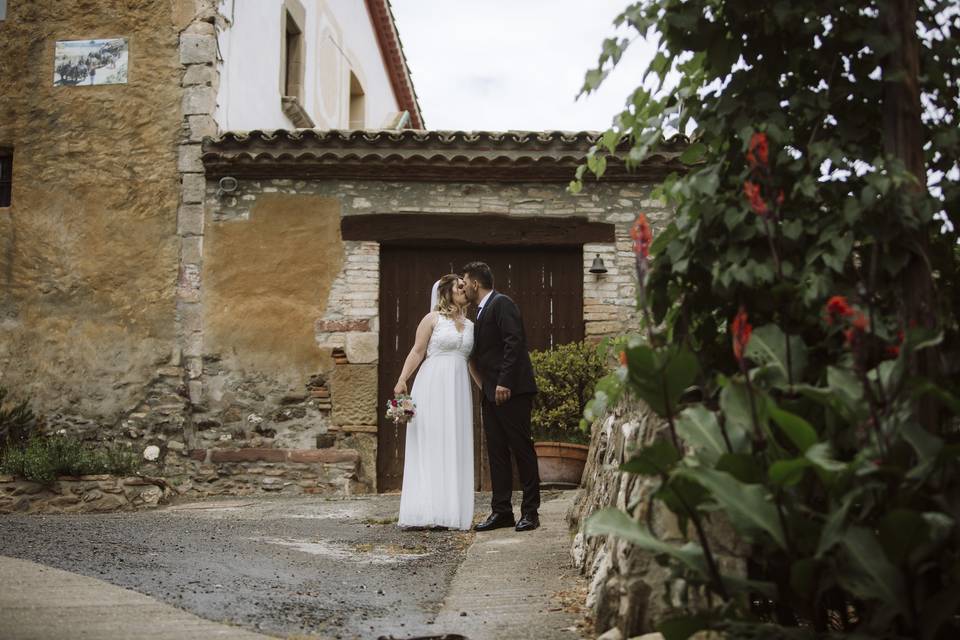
199, 473
629, 591
83, 494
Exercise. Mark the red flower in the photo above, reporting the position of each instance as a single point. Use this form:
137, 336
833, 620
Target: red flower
752, 191
893, 350
780, 198
741, 330
758, 150
860, 322
642, 236
838, 307
623, 358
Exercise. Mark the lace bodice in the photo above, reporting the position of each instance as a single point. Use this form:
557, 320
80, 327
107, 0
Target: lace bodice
446, 339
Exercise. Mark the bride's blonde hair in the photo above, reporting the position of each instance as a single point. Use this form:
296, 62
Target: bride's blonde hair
445, 304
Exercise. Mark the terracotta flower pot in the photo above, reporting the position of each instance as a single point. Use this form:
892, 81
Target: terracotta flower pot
561, 463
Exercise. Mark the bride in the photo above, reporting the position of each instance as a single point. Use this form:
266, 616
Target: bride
438, 460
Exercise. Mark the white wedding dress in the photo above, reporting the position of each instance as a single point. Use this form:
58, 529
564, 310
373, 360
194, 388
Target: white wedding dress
438, 459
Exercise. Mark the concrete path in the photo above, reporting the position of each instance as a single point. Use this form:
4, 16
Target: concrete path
512, 585
42, 603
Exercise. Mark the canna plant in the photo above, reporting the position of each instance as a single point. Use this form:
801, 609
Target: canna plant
799, 330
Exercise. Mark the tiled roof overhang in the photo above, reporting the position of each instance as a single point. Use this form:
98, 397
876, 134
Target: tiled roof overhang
512, 156
391, 49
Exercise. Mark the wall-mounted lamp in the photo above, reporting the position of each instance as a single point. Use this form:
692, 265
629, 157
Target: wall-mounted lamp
598, 267
228, 185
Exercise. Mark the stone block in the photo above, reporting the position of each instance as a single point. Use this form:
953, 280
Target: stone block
200, 127
248, 455
362, 348
193, 187
334, 326
195, 390
198, 48
198, 101
190, 220
323, 455
188, 158
199, 74
354, 391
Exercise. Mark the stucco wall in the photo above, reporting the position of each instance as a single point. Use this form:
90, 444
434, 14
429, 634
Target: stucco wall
88, 251
339, 37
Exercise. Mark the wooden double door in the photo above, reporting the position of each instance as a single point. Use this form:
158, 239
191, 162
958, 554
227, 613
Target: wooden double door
546, 283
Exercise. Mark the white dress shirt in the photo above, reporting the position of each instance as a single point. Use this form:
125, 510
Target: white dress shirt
482, 304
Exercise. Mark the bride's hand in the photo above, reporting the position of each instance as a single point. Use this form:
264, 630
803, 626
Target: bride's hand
401, 388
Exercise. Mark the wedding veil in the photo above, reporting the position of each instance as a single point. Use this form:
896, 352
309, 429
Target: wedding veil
434, 295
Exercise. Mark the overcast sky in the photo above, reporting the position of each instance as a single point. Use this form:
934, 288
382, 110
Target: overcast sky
513, 64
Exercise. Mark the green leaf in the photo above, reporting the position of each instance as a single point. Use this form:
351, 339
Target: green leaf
742, 466
875, 578
656, 459
659, 377
900, 531
821, 455
735, 404
698, 426
618, 524
683, 627
749, 506
768, 346
787, 472
799, 431
693, 153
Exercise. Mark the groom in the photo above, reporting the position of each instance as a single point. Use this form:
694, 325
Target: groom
501, 359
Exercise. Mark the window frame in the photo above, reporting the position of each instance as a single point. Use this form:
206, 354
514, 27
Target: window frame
293, 14
6, 176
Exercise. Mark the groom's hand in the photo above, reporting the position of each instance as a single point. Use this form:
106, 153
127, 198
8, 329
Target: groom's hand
501, 394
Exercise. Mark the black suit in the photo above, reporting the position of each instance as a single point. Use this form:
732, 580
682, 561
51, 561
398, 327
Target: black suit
501, 357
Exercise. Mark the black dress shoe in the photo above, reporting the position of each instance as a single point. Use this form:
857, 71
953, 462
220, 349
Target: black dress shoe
528, 523
496, 521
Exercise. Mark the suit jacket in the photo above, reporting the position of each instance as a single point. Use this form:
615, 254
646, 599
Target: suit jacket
500, 348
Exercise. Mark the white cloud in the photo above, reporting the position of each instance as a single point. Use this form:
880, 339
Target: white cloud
514, 64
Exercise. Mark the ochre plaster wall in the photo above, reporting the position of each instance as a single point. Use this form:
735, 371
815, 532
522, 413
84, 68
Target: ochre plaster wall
88, 251
266, 282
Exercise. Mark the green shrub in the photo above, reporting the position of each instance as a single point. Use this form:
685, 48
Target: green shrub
17, 422
43, 459
566, 376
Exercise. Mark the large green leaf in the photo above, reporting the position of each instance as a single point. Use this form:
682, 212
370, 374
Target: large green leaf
787, 472
660, 376
749, 506
735, 404
800, 432
768, 347
654, 460
821, 455
875, 577
698, 426
618, 524
927, 446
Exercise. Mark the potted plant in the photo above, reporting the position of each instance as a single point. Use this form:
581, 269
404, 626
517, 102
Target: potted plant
566, 376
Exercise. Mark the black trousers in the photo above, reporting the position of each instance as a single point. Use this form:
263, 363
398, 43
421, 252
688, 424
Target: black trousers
507, 428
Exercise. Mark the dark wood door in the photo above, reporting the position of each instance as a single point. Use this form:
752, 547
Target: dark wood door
547, 284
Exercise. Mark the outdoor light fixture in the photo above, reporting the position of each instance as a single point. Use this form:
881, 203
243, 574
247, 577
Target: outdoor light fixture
598, 267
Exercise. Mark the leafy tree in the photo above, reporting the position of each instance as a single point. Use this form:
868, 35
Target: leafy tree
828, 434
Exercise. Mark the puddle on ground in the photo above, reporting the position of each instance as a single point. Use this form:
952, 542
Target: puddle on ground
362, 553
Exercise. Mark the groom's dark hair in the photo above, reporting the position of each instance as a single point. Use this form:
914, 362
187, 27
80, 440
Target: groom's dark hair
480, 272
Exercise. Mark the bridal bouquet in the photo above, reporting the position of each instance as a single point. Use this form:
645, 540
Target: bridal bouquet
401, 409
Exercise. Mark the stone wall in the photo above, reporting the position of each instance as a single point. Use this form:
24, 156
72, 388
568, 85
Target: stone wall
84, 494
630, 592
88, 251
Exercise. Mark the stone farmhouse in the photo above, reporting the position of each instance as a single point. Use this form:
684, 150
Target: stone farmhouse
226, 254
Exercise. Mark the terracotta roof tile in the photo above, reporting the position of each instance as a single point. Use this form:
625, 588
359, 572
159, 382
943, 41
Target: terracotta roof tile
423, 155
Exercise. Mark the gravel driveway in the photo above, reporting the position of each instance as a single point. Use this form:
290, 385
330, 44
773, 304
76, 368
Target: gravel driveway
282, 566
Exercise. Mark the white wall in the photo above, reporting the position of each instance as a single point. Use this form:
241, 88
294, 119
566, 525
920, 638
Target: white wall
339, 37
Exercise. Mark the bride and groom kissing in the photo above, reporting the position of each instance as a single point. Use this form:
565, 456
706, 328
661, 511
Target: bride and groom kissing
492, 352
